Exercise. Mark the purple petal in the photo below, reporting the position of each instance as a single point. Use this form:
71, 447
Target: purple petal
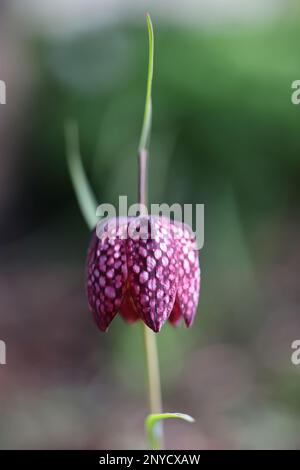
189, 272
152, 272
128, 309
106, 276
175, 317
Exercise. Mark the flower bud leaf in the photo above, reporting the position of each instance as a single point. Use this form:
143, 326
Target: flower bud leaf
153, 429
84, 193
145, 135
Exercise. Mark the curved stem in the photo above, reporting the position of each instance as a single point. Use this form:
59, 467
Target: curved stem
145, 134
153, 374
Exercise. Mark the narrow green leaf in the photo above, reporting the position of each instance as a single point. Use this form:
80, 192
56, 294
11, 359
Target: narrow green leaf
145, 135
85, 196
153, 430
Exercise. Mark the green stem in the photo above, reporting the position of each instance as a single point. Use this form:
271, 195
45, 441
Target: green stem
153, 378
145, 134
153, 374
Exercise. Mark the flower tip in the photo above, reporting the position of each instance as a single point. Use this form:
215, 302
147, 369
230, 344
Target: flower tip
175, 323
100, 322
149, 22
103, 328
155, 326
189, 322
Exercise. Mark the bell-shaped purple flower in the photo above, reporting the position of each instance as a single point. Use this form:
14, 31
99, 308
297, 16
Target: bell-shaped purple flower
145, 268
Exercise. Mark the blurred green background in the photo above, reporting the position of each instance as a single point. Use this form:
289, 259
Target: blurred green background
225, 134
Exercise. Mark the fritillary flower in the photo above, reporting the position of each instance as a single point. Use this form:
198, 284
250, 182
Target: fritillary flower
144, 268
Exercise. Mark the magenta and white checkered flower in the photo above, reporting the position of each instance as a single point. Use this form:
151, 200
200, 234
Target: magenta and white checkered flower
145, 268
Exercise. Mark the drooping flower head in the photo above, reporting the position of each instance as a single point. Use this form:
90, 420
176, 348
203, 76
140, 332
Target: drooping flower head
145, 268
